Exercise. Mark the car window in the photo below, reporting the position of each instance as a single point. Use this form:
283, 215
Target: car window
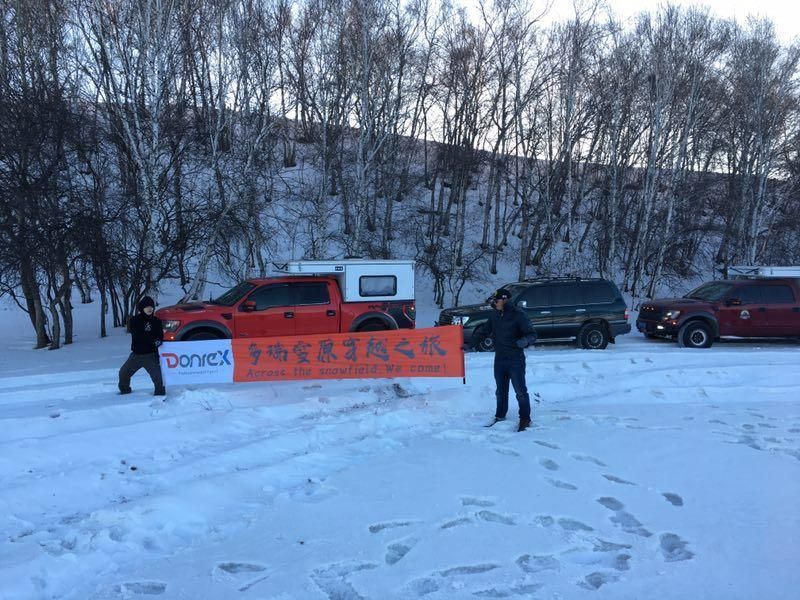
536, 296
598, 292
748, 294
270, 296
233, 295
565, 294
777, 294
710, 292
310, 293
377, 285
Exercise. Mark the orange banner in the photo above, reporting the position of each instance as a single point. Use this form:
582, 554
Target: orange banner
379, 354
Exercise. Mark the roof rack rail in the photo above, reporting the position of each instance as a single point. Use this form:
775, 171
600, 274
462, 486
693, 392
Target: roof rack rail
763, 272
559, 278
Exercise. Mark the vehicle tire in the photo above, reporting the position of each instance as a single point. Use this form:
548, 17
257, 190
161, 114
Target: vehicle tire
374, 325
487, 345
203, 334
593, 336
695, 334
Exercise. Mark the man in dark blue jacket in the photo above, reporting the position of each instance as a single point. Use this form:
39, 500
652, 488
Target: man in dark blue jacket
512, 332
146, 336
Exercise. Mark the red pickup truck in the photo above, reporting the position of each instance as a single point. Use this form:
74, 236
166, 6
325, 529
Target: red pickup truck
760, 303
309, 297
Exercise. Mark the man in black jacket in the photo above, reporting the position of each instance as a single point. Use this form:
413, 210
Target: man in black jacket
512, 332
146, 336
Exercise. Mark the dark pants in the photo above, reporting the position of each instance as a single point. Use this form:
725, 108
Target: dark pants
148, 362
511, 370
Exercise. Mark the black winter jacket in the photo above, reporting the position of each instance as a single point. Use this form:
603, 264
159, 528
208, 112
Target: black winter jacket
507, 327
146, 334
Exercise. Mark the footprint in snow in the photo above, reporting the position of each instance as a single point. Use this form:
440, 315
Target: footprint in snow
674, 548
547, 444
615, 479
548, 464
332, 580
378, 527
472, 501
586, 458
673, 499
536, 564
563, 485
506, 452
611, 503
397, 551
657, 393
234, 568
573, 525
456, 523
493, 517
468, 570
142, 588
596, 580
629, 524
524, 589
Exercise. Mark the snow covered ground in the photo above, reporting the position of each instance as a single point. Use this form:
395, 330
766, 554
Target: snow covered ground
651, 472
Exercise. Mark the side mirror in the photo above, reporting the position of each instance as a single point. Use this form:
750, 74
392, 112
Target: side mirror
522, 304
733, 302
249, 305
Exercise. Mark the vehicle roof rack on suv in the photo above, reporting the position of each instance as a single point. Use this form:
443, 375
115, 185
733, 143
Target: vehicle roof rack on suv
762, 272
567, 278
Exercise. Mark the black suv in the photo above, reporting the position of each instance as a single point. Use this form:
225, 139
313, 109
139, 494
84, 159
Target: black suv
590, 312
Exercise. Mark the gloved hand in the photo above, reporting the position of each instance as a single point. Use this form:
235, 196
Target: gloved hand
157, 343
522, 343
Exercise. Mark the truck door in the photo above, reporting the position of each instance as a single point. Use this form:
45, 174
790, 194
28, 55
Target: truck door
535, 302
743, 313
569, 312
272, 313
783, 309
315, 308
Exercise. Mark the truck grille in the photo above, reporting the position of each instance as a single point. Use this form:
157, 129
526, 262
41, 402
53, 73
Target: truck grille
650, 313
445, 319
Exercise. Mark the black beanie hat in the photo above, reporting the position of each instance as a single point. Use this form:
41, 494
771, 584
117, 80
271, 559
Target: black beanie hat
500, 294
145, 302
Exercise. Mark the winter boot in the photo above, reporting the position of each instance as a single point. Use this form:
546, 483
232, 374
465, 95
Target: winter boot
160, 392
524, 424
123, 391
495, 421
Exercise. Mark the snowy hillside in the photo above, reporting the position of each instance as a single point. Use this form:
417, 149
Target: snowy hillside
650, 472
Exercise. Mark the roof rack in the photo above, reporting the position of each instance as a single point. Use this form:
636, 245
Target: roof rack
763, 272
567, 278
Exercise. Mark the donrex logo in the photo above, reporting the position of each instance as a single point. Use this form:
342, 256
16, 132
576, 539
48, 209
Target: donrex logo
212, 359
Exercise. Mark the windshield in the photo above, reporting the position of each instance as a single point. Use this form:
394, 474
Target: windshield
710, 292
233, 295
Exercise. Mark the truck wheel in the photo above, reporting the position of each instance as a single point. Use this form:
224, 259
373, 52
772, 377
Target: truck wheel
203, 334
695, 334
372, 326
487, 345
593, 336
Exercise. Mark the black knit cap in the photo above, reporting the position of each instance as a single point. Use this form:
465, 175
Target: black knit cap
500, 294
145, 302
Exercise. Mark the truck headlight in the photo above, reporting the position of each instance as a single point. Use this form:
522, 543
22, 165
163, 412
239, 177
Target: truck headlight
460, 320
170, 325
671, 315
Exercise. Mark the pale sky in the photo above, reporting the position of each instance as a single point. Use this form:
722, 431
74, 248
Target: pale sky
785, 14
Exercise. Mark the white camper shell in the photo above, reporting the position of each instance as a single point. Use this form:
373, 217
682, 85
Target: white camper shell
756, 272
361, 280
